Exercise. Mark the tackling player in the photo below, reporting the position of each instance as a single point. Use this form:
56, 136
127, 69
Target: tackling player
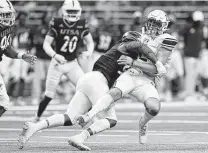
7, 20
68, 32
90, 88
141, 84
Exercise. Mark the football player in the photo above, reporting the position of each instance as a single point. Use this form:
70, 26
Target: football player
22, 42
103, 41
90, 88
68, 32
7, 20
140, 84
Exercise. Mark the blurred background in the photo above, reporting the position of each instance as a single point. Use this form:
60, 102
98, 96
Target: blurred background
187, 79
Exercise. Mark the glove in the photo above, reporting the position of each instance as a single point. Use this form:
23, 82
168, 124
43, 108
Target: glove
161, 70
29, 58
60, 59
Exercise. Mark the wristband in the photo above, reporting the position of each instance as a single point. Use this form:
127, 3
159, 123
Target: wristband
54, 55
19, 55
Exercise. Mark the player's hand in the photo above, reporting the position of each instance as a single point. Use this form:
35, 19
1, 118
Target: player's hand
161, 70
29, 58
60, 59
125, 60
85, 55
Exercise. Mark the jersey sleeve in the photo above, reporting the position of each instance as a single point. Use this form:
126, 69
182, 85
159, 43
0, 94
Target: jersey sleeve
86, 30
169, 43
138, 47
52, 29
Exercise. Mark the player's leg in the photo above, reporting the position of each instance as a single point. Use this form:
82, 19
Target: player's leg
37, 81
74, 72
79, 105
107, 119
149, 96
4, 98
52, 80
95, 86
123, 85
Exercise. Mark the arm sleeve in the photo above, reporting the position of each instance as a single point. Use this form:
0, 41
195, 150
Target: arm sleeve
137, 46
10, 52
168, 44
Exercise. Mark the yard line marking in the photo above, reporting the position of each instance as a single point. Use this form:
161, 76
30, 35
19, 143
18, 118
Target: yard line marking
112, 135
110, 131
95, 142
92, 142
132, 113
163, 134
121, 106
188, 143
18, 119
168, 114
167, 121
100, 135
8, 139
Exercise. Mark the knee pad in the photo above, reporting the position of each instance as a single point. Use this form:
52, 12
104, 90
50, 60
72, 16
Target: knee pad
116, 93
152, 106
67, 120
112, 122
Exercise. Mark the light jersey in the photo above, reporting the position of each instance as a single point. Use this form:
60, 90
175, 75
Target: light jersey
5, 39
67, 37
162, 42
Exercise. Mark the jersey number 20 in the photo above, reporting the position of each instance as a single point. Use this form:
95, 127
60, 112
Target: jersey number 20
69, 44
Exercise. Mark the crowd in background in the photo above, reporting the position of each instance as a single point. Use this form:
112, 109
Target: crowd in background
187, 78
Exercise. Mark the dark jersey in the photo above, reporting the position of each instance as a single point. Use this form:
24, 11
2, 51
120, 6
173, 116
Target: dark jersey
104, 41
107, 63
5, 39
24, 38
67, 37
39, 36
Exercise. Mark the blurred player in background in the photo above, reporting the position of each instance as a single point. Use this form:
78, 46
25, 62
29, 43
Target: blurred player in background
193, 39
103, 41
22, 42
42, 65
140, 84
68, 32
7, 20
171, 85
137, 21
90, 88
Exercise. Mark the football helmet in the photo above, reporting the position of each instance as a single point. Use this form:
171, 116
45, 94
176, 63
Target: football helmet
131, 36
7, 13
198, 16
156, 23
71, 10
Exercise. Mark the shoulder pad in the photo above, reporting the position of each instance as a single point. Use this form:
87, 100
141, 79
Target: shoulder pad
82, 23
55, 21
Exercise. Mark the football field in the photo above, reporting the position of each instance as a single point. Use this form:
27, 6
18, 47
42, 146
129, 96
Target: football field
179, 128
